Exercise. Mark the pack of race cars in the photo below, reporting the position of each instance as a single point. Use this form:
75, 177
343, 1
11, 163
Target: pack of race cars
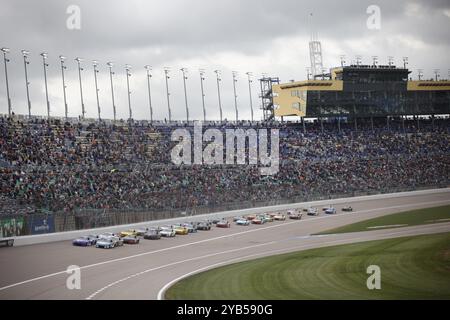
133, 236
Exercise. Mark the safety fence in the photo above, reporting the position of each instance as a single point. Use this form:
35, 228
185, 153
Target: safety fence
40, 223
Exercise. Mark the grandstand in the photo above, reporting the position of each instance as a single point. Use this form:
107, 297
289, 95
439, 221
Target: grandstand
82, 174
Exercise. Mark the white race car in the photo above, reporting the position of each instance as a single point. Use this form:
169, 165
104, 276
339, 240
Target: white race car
109, 242
167, 232
243, 222
312, 211
330, 210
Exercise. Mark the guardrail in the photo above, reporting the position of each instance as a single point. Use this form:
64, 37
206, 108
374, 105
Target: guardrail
60, 236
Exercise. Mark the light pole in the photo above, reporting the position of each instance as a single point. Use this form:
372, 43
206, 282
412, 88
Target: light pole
249, 74
149, 75
436, 74
202, 78
217, 72
184, 71
45, 64
375, 60
390, 61
166, 72
420, 74
63, 67
110, 65
405, 62
25, 54
342, 57
78, 60
234, 73
308, 73
95, 64
128, 70
5, 51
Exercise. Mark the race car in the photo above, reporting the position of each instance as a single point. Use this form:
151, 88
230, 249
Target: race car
85, 241
203, 225
251, 217
152, 234
279, 217
267, 217
259, 220
109, 242
223, 224
312, 211
106, 235
290, 212
130, 232
167, 232
191, 228
242, 222
296, 215
141, 232
131, 239
347, 208
105, 243
326, 207
330, 210
180, 230
238, 218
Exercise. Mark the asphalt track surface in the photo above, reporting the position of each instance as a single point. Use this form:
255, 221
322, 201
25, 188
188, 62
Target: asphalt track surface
144, 271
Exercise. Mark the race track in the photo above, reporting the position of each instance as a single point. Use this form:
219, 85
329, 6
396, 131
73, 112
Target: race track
143, 271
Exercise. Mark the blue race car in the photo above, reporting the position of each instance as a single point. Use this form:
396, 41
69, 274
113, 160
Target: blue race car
85, 241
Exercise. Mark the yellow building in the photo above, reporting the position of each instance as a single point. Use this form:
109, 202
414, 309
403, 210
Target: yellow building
362, 91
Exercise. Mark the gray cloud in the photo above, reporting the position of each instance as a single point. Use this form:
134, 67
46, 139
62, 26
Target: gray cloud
259, 36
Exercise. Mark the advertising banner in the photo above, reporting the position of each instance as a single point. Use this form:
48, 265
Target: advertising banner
40, 225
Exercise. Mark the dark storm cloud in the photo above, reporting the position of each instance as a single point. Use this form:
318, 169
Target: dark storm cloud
262, 35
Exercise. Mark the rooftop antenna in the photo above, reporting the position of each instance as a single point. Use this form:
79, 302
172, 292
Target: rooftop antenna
315, 50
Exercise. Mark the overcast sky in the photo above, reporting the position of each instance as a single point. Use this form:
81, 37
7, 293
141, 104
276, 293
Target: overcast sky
259, 36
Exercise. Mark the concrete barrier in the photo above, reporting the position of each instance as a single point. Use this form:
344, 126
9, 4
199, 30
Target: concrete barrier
68, 235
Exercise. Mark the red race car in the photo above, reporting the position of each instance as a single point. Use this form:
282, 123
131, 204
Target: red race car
223, 224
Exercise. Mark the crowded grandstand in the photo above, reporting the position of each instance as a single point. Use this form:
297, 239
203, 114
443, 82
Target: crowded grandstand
71, 168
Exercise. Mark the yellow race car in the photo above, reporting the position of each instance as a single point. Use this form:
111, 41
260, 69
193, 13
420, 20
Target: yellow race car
127, 233
180, 230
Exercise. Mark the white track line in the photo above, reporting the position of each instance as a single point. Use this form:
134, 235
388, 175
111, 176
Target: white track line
161, 292
220, 237
387, 226
174, 263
